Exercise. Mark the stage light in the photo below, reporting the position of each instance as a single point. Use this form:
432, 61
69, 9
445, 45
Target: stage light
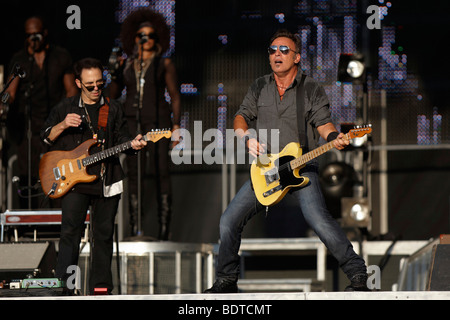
355, 69
355, 212
357, 142
337, 180
351, 68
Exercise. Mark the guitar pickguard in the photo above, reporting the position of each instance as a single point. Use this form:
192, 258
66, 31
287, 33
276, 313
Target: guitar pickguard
272, 181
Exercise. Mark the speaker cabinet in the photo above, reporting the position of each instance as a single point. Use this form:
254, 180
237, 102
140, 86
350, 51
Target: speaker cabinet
21, 259
439, 277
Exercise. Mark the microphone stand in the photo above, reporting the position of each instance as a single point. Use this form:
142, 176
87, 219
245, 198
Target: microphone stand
140, 95
4, 97
28, 95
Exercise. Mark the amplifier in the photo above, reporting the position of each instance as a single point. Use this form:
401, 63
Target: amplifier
439, 277
19, 260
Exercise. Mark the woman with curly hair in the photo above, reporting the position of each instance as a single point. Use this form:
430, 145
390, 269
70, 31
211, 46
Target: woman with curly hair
145, 37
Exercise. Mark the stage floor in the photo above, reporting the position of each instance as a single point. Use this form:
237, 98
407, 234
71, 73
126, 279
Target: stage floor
376, 295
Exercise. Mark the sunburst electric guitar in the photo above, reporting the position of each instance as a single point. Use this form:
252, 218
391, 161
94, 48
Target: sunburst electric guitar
273, 175
60, 171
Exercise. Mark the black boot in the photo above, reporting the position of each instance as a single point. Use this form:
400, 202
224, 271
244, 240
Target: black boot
164, 216
223, 286
358, 283
133, 211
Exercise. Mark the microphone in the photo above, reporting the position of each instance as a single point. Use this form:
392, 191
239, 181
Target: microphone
144, 38
19, 72
16, 180
36, 37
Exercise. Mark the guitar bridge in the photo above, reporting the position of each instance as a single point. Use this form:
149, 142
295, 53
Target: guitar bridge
272, 191
271, 175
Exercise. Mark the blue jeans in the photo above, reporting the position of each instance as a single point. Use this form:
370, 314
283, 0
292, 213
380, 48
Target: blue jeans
312, 203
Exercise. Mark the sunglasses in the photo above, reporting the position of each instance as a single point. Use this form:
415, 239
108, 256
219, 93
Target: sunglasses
152, 35
100, 86
283, 49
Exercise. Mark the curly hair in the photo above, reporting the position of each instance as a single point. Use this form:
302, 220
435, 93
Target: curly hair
132, 24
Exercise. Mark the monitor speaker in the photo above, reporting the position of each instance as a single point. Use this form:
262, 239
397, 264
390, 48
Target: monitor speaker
20, 260
439, 275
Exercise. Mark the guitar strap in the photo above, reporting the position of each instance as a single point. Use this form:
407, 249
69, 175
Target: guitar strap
303, 139
102, 122
103, 115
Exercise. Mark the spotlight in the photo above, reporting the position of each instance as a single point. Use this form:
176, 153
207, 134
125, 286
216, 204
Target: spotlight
355, 69
357, 142
336, 180
351, 68
355, 212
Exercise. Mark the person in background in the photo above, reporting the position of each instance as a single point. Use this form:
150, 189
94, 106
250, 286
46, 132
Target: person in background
145, 38
48, 78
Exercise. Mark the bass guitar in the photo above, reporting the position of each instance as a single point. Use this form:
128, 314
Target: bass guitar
60, 171
273, 175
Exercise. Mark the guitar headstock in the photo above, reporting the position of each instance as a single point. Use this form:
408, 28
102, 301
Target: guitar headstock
157, 134
360, 131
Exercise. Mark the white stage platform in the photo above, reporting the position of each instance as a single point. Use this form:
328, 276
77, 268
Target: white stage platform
277, 296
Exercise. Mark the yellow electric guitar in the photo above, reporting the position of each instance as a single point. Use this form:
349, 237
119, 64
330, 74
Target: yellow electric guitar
60, 171
273, 175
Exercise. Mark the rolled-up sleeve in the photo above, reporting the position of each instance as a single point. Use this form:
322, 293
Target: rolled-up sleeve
52, 120
320, 107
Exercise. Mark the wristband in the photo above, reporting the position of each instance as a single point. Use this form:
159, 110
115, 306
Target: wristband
332, 136
246, 138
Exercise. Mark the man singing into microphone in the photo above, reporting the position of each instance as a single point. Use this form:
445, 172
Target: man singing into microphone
43, 77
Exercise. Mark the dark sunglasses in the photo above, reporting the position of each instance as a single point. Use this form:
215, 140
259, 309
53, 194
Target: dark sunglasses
147, 35
37, 36
283, 49
100, 86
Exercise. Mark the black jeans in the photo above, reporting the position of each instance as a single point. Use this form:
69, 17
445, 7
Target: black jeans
102, 218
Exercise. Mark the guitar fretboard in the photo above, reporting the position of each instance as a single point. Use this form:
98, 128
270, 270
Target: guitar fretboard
93, 158
313, 154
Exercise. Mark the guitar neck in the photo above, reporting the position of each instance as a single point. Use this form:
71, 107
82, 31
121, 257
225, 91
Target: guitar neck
99, 156
313, 154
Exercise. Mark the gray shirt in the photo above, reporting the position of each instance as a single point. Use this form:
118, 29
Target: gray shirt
262, 104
